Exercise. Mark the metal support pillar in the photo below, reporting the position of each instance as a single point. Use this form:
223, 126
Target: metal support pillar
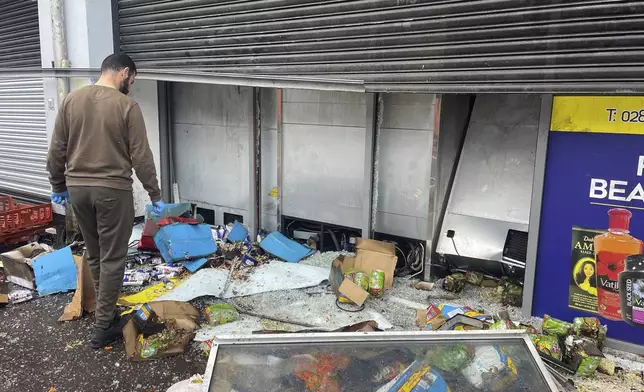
165, 133
255, 177
535, 203
370, 179
280, 153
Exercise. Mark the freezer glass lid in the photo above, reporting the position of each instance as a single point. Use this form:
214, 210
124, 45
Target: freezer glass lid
436, 362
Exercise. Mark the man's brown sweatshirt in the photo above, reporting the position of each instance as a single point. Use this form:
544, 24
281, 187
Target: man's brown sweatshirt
99, 137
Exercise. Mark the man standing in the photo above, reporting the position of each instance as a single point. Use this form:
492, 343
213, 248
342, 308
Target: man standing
98, 138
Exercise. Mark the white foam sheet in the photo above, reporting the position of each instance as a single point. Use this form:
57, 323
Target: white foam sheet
274, 276
244, 326
320, 311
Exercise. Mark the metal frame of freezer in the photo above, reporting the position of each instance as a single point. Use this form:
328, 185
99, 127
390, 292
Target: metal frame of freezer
376, 337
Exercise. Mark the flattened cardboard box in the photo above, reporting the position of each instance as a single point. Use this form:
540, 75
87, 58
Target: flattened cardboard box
345, 287
85, 295
185, 316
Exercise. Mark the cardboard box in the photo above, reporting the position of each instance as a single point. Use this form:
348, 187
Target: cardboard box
185, 316
85, 296
371, 255
18, 264
374, 255
345, 287
4, 293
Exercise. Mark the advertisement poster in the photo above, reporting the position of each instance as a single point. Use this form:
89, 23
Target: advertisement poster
590, 258
583, 270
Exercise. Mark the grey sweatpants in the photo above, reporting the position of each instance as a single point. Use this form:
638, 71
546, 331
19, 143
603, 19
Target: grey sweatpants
105, 217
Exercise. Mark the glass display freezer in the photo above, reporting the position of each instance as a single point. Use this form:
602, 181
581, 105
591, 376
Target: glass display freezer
377, 361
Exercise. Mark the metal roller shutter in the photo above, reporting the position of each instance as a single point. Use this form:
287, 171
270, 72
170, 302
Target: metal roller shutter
23, 131
401, 45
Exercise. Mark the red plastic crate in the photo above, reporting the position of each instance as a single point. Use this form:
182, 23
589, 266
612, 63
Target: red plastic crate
20, 220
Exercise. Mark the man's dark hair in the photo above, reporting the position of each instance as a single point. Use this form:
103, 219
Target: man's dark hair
118, 61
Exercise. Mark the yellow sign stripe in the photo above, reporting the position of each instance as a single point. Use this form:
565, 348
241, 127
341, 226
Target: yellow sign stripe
603, 114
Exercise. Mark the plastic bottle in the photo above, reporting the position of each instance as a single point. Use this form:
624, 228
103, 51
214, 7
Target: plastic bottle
611, 250
631, 291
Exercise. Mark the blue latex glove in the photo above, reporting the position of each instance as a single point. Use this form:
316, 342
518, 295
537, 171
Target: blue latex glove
60, 197
158, 208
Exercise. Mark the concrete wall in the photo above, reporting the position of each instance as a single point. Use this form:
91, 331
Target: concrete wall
210, 137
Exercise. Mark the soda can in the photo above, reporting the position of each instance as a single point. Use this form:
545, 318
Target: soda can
376, 283
362, 280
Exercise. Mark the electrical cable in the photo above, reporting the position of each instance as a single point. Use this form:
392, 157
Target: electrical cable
402, 253
360, 309
334, 239
455, 248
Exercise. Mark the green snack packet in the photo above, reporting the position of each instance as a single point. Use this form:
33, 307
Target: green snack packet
587, 366
474, 277
450, 358
601, 336
218, 314
512, 295
583, 355
586, 326
502, 325
548, 345
528, 328
454, 283
555, 327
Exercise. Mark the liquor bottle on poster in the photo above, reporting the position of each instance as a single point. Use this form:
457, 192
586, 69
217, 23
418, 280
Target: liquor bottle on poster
611, 249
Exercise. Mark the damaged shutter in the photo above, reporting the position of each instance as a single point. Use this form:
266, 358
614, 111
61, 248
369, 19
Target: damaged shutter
399, 45
23, 133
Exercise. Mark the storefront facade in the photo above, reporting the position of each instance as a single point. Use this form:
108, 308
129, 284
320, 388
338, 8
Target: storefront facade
365, 119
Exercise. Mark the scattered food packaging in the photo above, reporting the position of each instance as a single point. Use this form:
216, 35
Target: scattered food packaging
319, 372
606, 366
417, 377
376, 283
489, 283
454, 283
435, 316
587, 326
474, 277
528, 328
427, 286
147, 321
512, 295
502, 325
206, 347
490, 369
461, 322
555, 327
450, 358
218, 314
431, 318
136, 278
583, 355
548, 344
181, 320
19, 295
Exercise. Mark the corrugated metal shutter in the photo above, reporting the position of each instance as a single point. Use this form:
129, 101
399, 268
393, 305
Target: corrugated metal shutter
23, 132
402, 45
